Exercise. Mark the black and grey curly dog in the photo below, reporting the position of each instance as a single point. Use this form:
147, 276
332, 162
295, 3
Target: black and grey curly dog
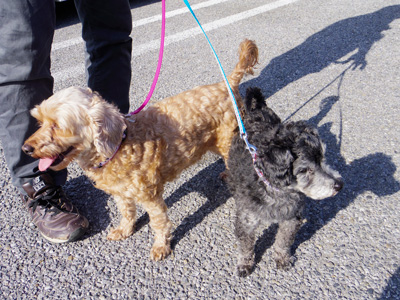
290, 158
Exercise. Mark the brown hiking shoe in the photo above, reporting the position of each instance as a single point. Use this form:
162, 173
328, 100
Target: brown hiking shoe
55, 217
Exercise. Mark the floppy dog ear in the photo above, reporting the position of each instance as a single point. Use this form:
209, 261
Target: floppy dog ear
277, 165
307, 141
108, 125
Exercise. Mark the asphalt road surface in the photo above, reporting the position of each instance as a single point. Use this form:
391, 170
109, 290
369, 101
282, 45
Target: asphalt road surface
334, 63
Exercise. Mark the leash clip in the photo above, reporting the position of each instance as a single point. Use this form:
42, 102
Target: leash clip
252, 149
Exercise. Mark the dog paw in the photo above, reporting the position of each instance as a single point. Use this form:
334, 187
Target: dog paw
160, 252
244, 270
117, 234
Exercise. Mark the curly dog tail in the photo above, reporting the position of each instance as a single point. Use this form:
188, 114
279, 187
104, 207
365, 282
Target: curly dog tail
248, 58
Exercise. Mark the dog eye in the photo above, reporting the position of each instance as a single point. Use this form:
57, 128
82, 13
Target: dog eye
310, 171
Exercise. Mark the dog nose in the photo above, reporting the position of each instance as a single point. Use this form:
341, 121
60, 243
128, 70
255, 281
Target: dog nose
338, 185
28, 149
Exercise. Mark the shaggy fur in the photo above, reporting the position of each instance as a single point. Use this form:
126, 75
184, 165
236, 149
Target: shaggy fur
77, 124
291, 158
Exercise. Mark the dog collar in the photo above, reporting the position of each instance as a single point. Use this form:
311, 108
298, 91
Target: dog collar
262, 177
103, 163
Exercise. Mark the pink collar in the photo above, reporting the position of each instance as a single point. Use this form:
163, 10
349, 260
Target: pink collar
103, 163
261, 175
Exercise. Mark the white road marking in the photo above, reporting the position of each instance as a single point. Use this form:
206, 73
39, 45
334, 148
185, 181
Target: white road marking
177, 12
142, 22
180, 36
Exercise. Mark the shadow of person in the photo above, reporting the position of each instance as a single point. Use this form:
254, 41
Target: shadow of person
330, 45
392, 290
354, 37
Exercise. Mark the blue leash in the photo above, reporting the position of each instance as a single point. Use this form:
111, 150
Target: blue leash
252, 149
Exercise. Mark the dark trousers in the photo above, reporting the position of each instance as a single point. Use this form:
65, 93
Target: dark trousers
26, 34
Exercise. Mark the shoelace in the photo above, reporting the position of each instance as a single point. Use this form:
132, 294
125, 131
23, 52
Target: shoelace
49, 200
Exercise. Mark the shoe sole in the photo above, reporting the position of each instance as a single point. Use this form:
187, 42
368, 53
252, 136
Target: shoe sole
73, 237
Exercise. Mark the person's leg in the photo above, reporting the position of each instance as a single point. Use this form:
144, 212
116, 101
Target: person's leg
26, 34
106, 28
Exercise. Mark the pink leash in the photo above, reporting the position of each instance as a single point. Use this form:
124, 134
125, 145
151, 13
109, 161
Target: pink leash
160, 57
153, 86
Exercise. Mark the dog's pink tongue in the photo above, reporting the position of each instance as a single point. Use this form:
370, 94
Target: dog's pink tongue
45, 163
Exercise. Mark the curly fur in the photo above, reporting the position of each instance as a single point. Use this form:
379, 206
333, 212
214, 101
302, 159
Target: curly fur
77, 124
291, 157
